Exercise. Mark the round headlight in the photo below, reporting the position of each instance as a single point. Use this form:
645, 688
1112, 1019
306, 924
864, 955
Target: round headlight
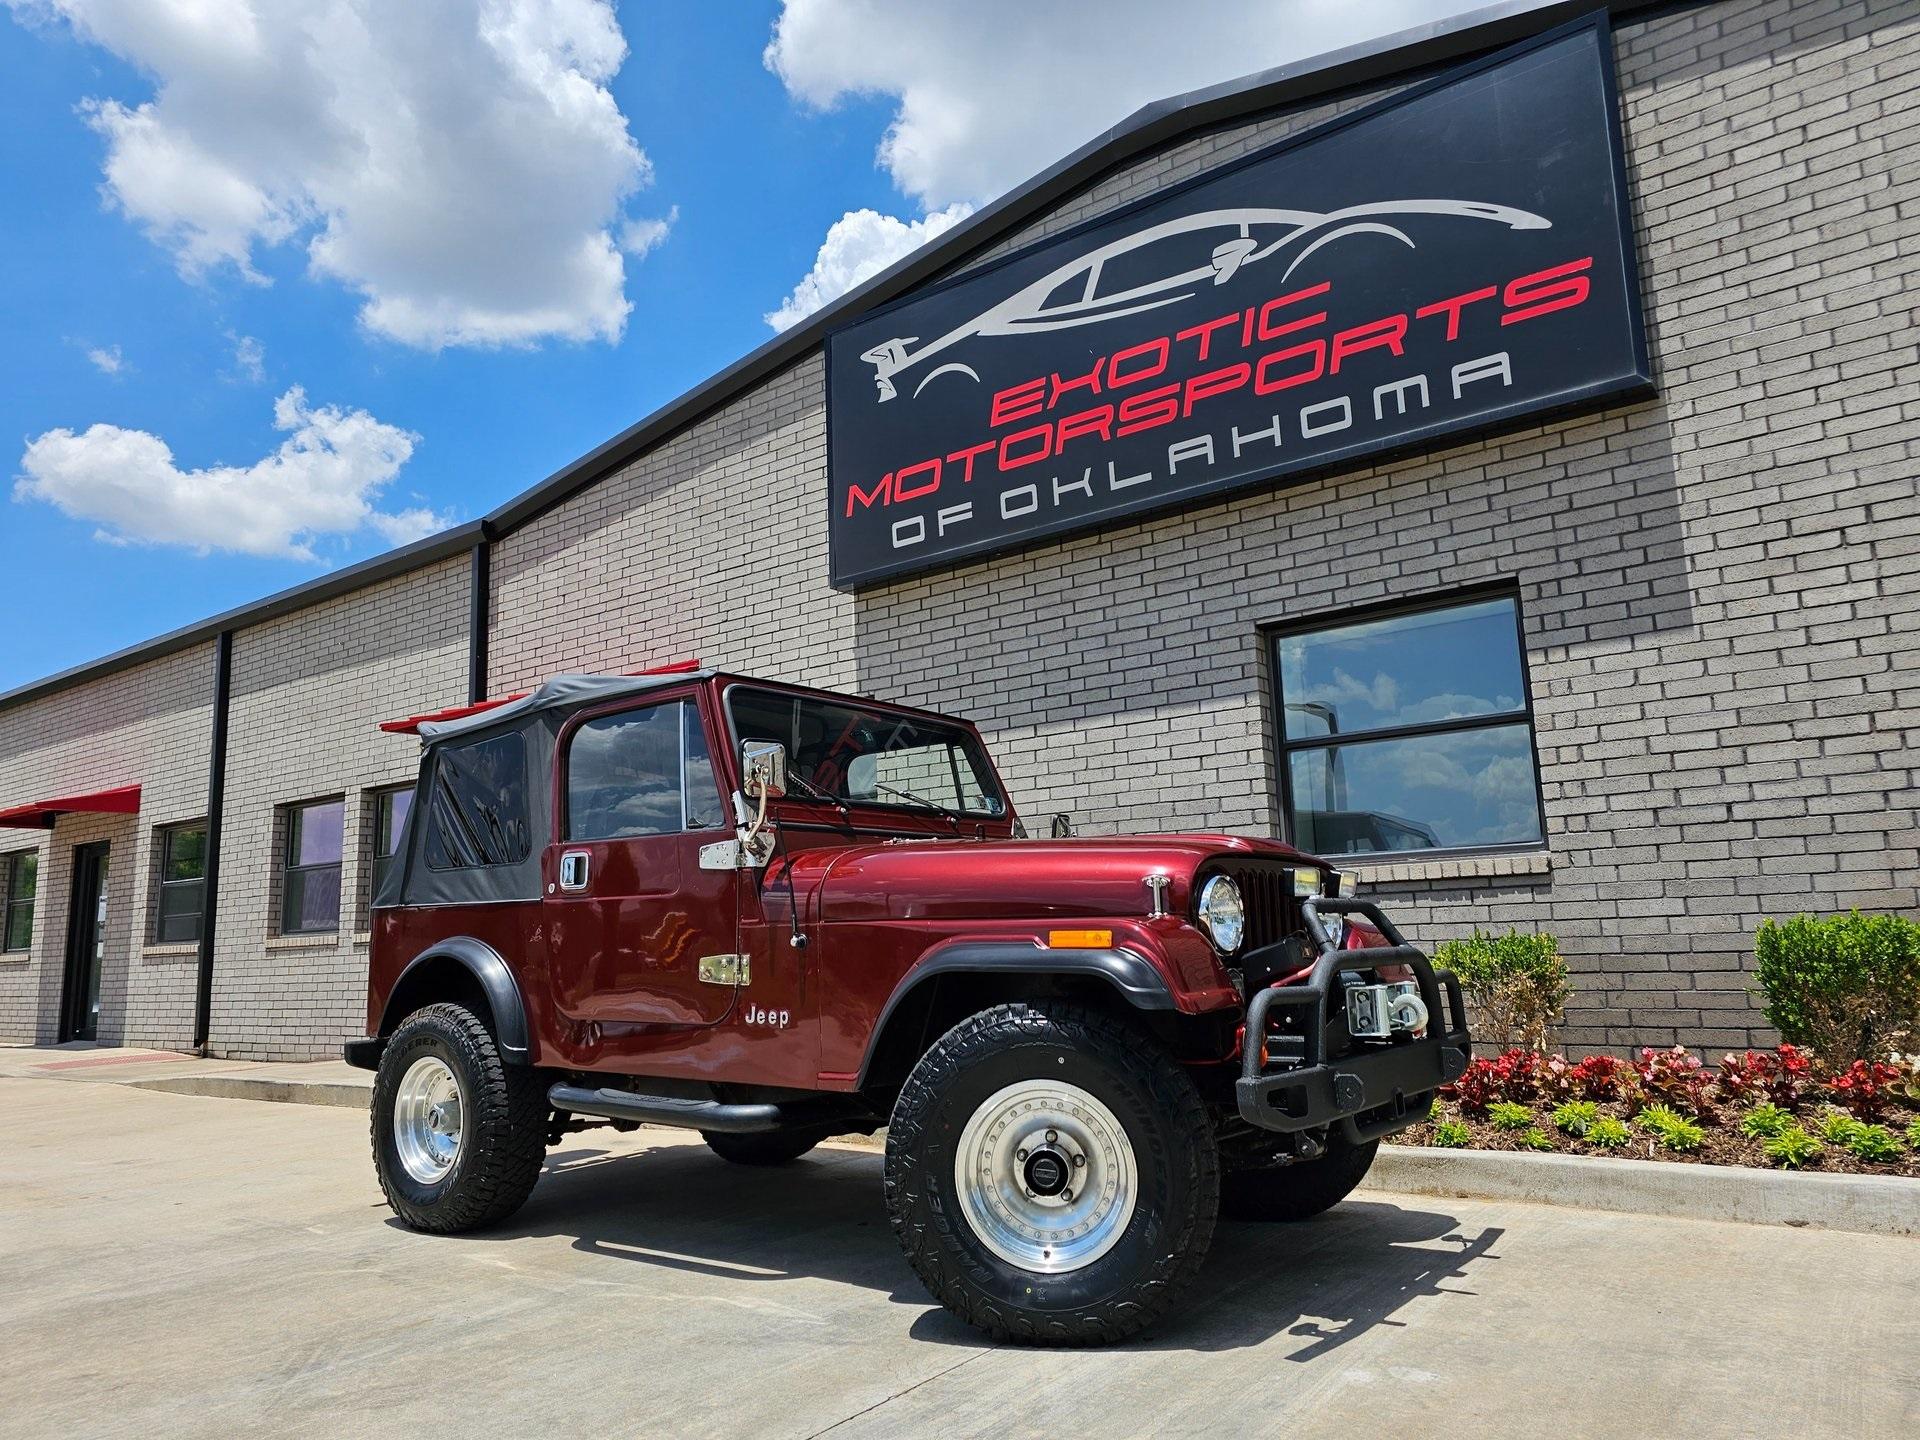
1223, 913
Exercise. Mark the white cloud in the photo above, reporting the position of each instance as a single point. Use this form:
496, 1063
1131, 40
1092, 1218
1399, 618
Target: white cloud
989, 92
323, 481
249, 357
464, 167
107, 361
639, 238
860, 245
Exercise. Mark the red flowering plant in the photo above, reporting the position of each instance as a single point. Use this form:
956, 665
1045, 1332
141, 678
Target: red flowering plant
1677, 1078
1601, 1077
1865, 1088
1781, 1079
1511, 1075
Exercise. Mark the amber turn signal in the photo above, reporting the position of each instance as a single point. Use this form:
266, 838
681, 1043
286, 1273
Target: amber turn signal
1079, 939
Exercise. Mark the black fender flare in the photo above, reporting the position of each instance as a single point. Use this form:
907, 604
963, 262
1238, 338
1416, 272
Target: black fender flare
1134, 978
487, 966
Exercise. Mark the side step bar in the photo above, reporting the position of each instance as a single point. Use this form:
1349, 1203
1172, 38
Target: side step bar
684, 1114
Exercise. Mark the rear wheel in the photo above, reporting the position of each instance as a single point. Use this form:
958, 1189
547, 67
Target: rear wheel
771, 1147
1051, 1175
1299, 1191
458, 1134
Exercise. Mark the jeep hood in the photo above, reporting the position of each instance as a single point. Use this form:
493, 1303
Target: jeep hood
1016, 879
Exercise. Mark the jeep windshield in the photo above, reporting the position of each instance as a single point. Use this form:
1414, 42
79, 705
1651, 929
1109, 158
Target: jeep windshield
842, 752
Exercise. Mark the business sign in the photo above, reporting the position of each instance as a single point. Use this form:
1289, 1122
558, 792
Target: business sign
1446, 261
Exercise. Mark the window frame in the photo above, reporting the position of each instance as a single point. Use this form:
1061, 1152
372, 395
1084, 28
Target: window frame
9, 862
163, 837
1284, 748
377, 799
286, 869
689, 701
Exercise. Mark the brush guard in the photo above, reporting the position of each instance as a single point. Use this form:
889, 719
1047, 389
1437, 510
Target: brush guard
1287, 1083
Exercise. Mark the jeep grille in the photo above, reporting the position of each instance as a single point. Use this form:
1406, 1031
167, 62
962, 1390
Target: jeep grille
1266, 887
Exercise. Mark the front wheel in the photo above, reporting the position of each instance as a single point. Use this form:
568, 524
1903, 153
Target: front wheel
458, 1134
1052, 1175
1298, 1191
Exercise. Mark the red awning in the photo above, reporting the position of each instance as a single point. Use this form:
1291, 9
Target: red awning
40, 815
412, 723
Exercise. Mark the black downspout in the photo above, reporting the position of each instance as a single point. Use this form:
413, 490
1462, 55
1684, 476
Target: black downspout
479, 594
216, 803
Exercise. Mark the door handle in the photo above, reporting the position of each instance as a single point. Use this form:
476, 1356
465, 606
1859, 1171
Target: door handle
574, 866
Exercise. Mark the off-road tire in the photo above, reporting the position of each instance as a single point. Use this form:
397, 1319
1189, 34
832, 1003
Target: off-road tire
503, 1117
769, 1147
1143, 1275
1299, 1191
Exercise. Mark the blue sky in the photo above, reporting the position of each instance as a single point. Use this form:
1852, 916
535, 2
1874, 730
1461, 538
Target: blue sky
115, 316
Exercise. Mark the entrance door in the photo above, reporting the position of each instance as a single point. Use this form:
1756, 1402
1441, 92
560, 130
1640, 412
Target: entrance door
86, 943
631, 914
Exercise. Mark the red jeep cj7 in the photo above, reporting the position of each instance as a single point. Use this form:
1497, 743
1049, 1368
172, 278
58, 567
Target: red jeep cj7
773, 914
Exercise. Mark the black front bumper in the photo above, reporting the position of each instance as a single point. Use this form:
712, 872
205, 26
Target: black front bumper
1287, 1083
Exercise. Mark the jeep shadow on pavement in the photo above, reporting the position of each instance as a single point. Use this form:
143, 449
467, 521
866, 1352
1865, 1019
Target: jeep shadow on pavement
771, 914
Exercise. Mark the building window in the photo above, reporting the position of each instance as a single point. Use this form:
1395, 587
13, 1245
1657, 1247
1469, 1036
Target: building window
183, 883
641, 772
1409, 731
19, 874
310, 882
390, 809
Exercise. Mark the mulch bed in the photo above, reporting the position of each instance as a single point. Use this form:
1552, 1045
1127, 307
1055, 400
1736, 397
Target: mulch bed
1724, 1144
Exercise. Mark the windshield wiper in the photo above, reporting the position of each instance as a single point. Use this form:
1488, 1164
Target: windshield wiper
920, 800
794, 777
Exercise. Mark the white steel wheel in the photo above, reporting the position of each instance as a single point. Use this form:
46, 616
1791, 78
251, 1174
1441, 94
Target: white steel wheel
427, 1120
1046, 1176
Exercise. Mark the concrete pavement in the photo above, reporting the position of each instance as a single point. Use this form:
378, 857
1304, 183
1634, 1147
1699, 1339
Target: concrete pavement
185, 1266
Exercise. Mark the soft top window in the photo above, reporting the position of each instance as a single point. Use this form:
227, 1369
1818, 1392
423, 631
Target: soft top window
477, 805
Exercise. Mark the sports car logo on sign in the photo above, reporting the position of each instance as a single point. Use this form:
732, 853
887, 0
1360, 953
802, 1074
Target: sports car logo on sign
1164, 265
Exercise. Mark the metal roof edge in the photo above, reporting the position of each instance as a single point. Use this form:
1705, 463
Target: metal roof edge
323, 587
1404, 53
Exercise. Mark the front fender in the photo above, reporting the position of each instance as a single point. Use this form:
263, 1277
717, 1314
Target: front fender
1134, 979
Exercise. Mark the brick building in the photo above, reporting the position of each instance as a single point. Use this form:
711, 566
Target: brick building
1693, 609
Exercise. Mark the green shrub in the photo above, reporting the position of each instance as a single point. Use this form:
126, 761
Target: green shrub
1609, 1133
1534, 1138
1672, 1129
1846, 985
1763, 1122
1876, 1143
1838, 1128
1576, 1117
1509, 1115
1516, 984
1913, 1134
1452, 1135
1791, 1149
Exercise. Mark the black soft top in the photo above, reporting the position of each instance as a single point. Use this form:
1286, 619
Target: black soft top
483, 810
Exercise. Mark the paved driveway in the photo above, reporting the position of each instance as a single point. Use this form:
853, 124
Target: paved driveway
172, 1265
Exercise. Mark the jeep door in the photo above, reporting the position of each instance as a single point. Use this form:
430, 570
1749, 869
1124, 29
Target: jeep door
630, 913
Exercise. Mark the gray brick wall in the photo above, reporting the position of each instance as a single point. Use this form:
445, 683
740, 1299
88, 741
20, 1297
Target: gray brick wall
713, 545
146, 726
308, 693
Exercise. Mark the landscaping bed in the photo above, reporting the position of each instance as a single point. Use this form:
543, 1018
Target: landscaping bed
1778, 1110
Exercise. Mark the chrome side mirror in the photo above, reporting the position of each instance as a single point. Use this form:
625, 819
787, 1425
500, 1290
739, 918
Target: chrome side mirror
763, 769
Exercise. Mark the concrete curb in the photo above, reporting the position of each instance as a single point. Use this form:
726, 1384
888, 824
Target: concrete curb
1867, 1204
250, 1087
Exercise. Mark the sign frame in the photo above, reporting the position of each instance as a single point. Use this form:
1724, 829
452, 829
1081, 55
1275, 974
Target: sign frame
1635, 383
